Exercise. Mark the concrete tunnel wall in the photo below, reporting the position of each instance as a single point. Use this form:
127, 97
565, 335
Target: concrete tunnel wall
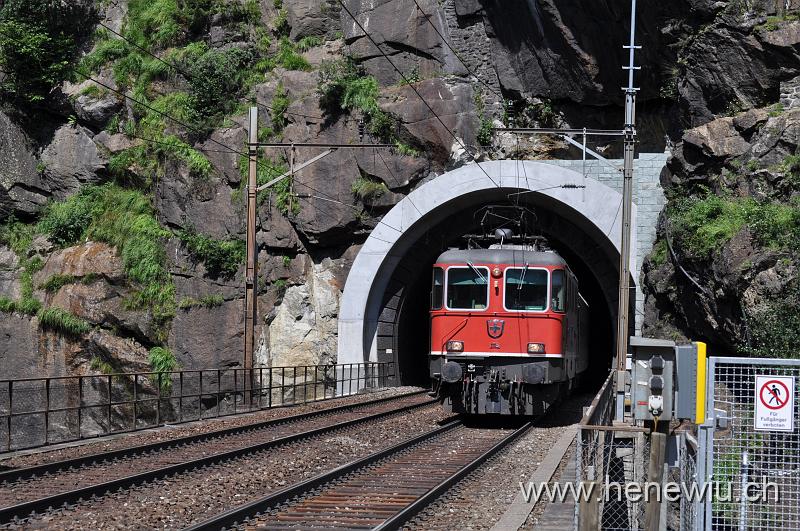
595, 210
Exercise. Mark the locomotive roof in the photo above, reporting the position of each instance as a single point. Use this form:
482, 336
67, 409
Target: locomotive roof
500, 256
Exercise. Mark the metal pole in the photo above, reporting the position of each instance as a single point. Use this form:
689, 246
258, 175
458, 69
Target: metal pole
251, 272
627, 202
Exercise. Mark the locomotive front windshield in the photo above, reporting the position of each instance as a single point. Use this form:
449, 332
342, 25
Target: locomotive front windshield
467, 288
526, 289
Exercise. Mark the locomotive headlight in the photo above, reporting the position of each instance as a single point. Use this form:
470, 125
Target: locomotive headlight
455, 346
535, 348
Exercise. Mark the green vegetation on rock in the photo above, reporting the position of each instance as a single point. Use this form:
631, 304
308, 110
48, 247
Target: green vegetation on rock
39, 40
774, 329
56, 282
125, 219
703, 225
206, 301
221, 258
368, 189
62, 321
345, 87
162, 362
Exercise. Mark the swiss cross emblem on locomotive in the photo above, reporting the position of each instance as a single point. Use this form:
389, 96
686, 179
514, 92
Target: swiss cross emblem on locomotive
495, 327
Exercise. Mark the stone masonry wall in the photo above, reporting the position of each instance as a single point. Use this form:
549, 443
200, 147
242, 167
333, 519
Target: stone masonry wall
648, 196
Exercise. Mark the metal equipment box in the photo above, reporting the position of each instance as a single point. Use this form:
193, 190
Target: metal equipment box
652, 378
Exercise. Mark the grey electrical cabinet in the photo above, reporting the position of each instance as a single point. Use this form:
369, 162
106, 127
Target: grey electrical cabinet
652, 378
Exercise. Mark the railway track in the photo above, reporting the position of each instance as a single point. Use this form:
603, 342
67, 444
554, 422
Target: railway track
36, 489
381, 491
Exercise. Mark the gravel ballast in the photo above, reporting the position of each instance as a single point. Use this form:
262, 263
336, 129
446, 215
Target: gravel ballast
188, 498
480, 500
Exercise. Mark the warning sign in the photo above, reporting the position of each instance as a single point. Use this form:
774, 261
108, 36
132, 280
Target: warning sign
774, 403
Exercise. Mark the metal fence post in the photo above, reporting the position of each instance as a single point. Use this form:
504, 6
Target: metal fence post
180, 398
108, 381
135, 400
80, 404
10, 412
158, 400
47, 411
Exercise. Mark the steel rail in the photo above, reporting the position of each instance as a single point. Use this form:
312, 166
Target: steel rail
239, 515
24, 509
96, 459
396, 521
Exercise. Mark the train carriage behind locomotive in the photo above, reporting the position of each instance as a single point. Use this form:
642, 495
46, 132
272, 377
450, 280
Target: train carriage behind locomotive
509, 330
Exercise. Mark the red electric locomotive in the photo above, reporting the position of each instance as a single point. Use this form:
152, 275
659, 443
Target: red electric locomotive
509, 330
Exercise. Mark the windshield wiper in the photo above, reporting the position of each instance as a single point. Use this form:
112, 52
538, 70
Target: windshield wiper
522, 277
477, 271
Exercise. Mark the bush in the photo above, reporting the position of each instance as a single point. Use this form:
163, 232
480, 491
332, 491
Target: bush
774, 331
216, 79
344, 86
206, 301
7, 305
280, 103
62, 322
39, 40
288, 57
162, 362
221, 258
308, 42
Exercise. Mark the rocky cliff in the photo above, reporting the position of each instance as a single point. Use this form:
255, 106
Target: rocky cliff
121, 184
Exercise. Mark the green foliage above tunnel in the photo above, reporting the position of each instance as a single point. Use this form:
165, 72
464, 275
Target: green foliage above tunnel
703, 225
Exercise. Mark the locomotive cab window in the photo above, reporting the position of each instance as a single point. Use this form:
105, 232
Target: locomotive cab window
526, 289
558, 291
437, 289
467, 288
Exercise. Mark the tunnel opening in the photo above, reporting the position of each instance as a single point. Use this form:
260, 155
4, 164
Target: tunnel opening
403, 329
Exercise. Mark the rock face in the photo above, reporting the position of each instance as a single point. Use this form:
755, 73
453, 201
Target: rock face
22, 186
752, 62
747, 282
303, 330
71, 160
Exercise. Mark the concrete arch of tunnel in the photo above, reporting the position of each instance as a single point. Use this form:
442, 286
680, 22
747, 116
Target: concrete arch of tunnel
381, 304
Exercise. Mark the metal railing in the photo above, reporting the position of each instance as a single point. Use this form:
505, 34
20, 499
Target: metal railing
41, 411
608, 455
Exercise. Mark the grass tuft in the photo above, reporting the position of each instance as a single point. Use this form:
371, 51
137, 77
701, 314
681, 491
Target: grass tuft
56, 282
62, 322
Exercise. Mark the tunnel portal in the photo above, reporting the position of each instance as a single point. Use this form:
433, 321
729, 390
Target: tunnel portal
384, 311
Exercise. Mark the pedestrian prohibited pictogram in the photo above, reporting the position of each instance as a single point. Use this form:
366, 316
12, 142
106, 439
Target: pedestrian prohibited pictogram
774, 403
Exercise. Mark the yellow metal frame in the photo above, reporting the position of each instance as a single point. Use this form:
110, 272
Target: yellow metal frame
700, 411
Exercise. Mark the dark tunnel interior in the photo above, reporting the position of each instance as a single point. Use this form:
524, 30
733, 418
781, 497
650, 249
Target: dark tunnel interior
403, 330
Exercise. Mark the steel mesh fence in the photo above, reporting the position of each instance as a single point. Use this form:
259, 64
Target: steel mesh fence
608, 458
756, 474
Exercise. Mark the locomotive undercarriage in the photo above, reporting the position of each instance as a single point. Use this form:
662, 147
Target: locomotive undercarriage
500, 386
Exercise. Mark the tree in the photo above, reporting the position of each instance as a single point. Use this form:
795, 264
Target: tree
39, 40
